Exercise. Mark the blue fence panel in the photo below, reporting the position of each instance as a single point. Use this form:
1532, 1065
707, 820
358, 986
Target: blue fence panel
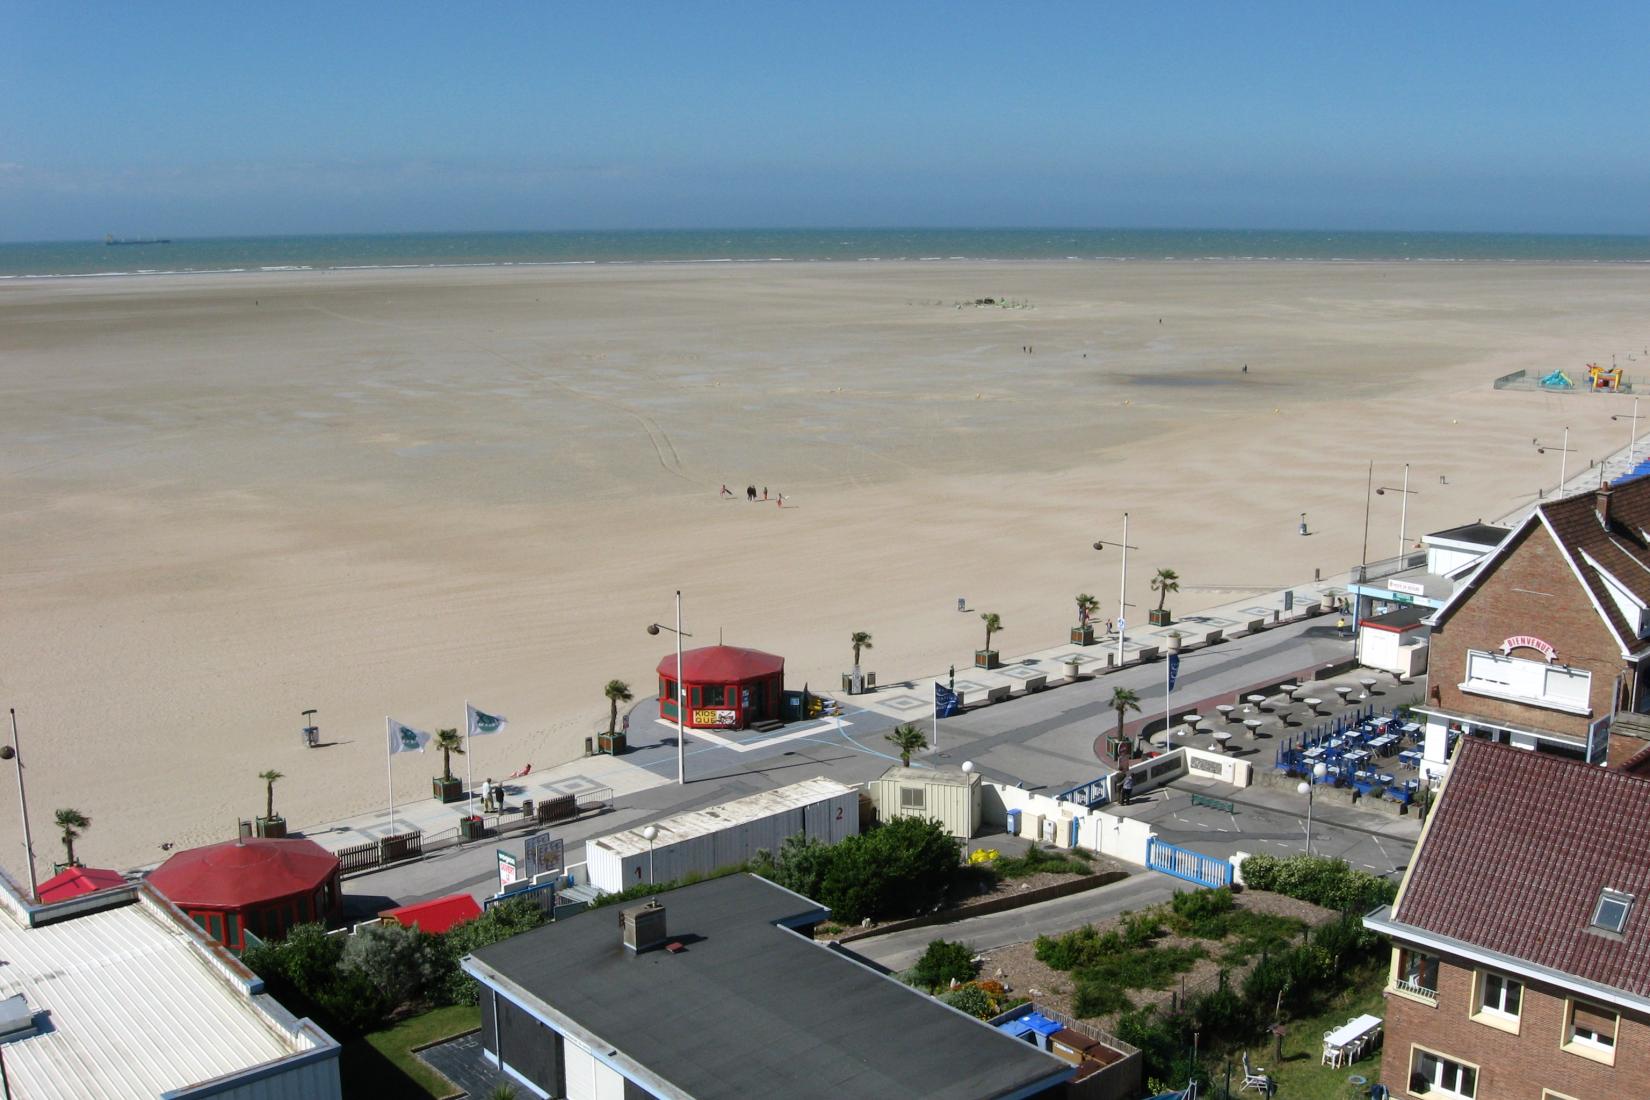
1183, 863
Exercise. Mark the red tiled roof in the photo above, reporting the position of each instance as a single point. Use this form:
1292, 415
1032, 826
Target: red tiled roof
244, 872
722, 664
1516, 855
74, 881
436, 915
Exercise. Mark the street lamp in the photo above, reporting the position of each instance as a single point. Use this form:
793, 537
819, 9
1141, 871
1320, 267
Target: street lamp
1632, 430
968, 822
1403, 513
1563, 457
1306, 788
10, 752
650, 833
1122, 585
681, 690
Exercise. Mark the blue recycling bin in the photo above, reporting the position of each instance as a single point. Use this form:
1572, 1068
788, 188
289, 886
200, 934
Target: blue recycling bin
1014, 823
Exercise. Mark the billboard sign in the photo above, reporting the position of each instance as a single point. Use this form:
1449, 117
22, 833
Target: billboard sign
545, 855
508, 872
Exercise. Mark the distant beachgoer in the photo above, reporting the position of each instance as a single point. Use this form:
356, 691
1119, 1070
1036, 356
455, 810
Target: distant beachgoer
781, 500
764, 492
725, 490
486, 794
1111, 627
1246, 368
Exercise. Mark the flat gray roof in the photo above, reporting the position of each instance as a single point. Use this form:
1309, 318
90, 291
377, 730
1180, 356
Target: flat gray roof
750, 1008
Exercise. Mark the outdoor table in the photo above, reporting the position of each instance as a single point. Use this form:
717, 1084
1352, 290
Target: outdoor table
1226, 710
1289, 689
1253, 724
1352, 1031
1314, 704
1411, 728
1412, 784
1256, 700
1221, 737
1386, 778
1356, 755
1411, 757
1369, 683
1343, 690
1384, 743
1313, 754
1192, 720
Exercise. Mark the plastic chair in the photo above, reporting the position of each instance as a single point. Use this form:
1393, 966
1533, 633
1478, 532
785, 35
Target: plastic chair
1255, 1078
1331, 1055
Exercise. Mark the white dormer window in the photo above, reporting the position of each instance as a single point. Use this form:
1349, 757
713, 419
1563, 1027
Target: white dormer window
1611, 911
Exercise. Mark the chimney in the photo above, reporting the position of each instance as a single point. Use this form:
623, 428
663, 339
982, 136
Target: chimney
1601, 505
644, 926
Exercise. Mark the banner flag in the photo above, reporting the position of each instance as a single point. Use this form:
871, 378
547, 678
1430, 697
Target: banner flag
1174, 669
946, 701
480, 722
405, 738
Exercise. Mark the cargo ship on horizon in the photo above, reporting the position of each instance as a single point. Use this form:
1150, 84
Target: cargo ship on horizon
110, 239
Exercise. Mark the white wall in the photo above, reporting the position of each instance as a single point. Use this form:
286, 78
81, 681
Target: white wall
588, 1079
1216, 765
1109, 834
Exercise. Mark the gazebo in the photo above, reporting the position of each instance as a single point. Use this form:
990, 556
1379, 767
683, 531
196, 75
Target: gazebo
257, 885
725, 687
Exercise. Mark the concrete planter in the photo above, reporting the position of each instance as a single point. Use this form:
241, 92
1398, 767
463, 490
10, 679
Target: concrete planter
1072, 669
985, 658
1172, 643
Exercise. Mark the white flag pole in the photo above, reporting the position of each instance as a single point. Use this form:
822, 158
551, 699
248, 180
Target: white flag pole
936, 716
389, 773
469, 767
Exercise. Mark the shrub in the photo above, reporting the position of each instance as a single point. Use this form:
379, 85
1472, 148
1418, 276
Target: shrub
902, 869
1319, 880
1077, 949
943, 963
1140, 929
400, 965
1037, 860
972, 1000
1095, 998
1203, 913
508, 918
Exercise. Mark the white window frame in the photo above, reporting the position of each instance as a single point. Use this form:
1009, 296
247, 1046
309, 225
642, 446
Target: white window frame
1438, 1088
1625, 900
1587, 1046
1496, 1015
908, 804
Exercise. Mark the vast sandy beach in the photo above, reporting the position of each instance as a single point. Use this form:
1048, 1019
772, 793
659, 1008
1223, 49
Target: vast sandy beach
230, 498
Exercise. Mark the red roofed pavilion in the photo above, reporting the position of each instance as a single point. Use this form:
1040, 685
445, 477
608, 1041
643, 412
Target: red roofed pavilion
726, 687
257, 885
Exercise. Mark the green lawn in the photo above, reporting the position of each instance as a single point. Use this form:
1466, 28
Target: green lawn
382, 1063
1302, 1075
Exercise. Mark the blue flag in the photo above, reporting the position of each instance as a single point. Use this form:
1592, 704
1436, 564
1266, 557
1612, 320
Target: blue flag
1174, 669
946, 701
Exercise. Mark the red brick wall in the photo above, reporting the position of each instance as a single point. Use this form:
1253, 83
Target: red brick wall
1510, 1067
1532, 591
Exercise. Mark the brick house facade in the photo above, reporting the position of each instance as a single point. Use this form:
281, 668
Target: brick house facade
1547, 640
1521, 936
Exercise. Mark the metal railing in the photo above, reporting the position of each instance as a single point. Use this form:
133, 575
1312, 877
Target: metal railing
1362, 574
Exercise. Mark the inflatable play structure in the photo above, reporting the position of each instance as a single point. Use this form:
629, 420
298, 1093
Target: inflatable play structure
1603, 379
1557, 380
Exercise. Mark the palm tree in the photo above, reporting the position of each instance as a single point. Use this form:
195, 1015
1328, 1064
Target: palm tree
908, 739
993, 623
860, 640
73, 823
449, 742
269, 778
1123, 700
1086, 605
617, 691
1166, 581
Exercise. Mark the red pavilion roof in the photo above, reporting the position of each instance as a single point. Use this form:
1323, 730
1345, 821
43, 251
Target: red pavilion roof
723, 664
245, 872
436, 915
74, 881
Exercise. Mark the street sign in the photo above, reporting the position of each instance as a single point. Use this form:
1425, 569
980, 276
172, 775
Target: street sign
545, 855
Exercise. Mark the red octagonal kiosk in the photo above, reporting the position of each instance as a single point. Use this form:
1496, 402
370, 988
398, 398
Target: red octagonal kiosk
725, 687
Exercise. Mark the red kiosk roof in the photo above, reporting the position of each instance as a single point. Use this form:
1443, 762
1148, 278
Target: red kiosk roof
722, 664
74, 881
244, 872
436, 915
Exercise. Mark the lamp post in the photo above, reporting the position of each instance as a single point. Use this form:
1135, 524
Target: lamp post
1563, 458
11, 752
1403, 513
649, 834
681, 691
1306, 788
1122, 586
968, 788
1632, 430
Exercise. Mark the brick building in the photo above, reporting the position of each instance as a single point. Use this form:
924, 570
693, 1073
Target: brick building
1549, 637
1521, 936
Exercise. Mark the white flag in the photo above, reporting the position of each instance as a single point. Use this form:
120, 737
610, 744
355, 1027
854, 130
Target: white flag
405, 738
481, 722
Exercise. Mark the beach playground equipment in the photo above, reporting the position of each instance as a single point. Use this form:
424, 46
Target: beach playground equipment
1603, 379
1558, 380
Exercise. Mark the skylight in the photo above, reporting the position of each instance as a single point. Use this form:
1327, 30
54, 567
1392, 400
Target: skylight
1612, 909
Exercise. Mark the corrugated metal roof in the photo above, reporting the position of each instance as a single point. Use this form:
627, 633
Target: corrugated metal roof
1517, 853
716, 818
130, 1005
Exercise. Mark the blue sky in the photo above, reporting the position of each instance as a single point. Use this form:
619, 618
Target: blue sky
204, 119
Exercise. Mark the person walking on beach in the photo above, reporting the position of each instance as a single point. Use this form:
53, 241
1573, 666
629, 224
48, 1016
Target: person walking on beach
725, 490
764, 492
781, 500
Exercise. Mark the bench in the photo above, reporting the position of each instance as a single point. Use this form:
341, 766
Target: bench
1035, 683
998, 694
1214, 803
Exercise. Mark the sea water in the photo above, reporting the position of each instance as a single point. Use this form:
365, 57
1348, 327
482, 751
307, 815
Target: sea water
68, 259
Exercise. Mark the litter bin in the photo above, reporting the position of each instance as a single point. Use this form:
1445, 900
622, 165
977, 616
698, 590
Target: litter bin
1014, 823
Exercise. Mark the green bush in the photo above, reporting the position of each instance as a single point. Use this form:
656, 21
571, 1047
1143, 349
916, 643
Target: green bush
1319, 880
1096, 998
505, 919
1079, 948
1140, 929
1202, 913
972, 1000
902, 869
1037, 860
646, 889
942, 963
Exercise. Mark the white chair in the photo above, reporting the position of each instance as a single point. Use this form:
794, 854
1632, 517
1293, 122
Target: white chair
1255, 1078
1332, 1056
